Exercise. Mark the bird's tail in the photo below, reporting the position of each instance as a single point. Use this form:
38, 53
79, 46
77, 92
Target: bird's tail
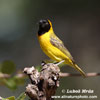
79, 69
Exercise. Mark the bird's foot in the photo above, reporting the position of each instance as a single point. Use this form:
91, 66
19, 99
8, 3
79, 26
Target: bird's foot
60, 62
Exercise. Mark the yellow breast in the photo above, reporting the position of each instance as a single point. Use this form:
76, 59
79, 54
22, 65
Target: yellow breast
50, 50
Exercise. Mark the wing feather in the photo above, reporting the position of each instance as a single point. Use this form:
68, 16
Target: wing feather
59, 44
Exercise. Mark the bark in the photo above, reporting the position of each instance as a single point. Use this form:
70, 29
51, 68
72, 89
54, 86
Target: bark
44, 83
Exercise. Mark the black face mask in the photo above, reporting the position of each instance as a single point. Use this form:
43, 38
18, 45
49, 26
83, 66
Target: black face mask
44, 26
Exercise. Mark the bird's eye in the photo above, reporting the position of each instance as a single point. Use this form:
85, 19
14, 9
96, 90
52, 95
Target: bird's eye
44, 22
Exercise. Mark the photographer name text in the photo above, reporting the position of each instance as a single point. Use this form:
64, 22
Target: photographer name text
77, 91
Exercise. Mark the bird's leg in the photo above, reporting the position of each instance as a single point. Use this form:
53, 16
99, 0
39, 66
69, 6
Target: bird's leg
60, 62
55, 62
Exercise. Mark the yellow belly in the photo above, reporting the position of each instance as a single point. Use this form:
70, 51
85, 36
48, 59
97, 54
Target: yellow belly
50, 50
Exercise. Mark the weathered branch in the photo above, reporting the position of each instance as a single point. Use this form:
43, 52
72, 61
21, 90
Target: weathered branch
2, 75
44, 83
72, 75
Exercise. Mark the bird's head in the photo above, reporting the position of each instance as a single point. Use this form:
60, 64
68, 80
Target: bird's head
44, 26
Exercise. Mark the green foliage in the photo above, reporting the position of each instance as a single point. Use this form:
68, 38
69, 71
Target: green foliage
38, 68
7, 67
13, 82
10, 83
10, 98
21, 97
19, 80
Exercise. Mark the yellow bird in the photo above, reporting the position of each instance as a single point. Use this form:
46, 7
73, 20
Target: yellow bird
53, 47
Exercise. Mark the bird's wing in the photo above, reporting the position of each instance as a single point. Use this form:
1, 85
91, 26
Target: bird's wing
59, 44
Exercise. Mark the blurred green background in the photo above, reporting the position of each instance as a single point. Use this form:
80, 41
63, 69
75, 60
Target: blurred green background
76, 22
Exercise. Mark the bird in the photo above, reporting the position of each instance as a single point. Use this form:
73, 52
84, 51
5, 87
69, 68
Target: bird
53, 47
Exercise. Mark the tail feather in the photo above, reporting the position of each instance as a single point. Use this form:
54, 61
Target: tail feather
79, 69
74, 65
